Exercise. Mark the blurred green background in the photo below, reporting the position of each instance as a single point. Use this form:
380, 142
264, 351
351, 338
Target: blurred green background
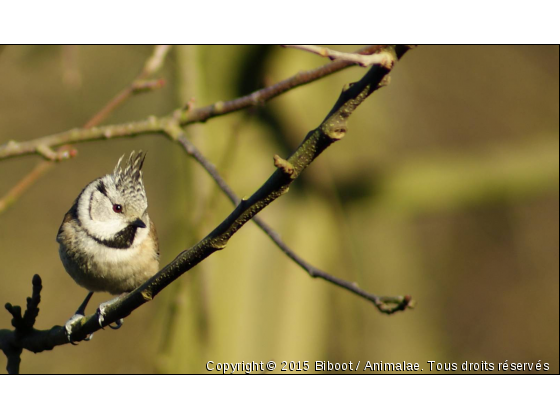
444, 188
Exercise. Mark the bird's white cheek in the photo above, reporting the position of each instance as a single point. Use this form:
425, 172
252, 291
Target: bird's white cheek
104, 230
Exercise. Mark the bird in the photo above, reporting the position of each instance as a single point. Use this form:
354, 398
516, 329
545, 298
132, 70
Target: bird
107, 241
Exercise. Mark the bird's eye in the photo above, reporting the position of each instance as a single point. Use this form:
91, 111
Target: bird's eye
117, 208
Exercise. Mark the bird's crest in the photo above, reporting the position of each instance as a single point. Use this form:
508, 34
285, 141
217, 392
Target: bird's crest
128, 177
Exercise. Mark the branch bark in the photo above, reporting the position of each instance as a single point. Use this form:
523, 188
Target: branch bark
381, 57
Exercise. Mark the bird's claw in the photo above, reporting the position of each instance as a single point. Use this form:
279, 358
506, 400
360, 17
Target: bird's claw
118, 324
69, 326
101, 315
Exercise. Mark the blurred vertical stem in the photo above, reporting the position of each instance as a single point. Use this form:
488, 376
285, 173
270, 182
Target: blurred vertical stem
184, 338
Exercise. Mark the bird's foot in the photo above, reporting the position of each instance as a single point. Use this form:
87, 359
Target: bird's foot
69, 327
117, 325
101, 314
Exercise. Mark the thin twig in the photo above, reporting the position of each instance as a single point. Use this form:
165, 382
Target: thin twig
382, 58
385, 304
187, 116
139, 84
23, 325
259, 97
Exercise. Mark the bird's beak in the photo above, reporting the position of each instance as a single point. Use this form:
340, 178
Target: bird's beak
138, 223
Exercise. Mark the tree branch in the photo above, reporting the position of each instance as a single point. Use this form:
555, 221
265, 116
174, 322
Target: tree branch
332, 129
385, 304
382, 58
153, 124
138, 85
10, 340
